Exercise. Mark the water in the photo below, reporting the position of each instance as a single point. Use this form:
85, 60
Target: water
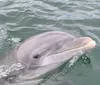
20, 19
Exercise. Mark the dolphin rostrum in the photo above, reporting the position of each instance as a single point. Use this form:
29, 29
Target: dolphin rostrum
46, 51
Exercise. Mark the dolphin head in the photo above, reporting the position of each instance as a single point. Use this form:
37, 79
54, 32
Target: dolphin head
52, 47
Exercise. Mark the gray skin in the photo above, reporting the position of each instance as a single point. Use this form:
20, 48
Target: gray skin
47, 51
51, 47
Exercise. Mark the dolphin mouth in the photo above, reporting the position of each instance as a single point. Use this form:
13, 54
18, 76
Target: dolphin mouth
91, 44
76, 47
88, 44
85, 43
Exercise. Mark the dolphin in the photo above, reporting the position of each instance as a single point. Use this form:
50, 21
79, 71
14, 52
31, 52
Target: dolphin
44, 52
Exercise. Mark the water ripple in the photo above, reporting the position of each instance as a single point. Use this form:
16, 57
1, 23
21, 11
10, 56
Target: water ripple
24, 18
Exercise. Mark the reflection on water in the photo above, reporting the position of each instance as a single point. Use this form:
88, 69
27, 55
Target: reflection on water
20, 19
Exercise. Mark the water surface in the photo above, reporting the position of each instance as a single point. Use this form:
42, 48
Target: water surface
20, 19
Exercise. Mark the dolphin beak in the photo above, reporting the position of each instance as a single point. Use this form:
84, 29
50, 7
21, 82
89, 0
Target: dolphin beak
88, 43
78, 46
83, 44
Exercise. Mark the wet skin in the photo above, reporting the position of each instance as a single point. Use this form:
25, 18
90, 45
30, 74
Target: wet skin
46, 51
51, 47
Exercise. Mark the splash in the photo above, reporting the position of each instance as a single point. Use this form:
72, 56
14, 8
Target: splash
8, 73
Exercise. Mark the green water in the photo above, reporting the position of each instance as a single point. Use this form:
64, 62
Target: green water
20, 19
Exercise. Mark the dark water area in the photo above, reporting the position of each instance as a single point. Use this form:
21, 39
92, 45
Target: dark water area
20, 19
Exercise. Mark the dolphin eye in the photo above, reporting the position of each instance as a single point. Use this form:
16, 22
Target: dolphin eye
36, 56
